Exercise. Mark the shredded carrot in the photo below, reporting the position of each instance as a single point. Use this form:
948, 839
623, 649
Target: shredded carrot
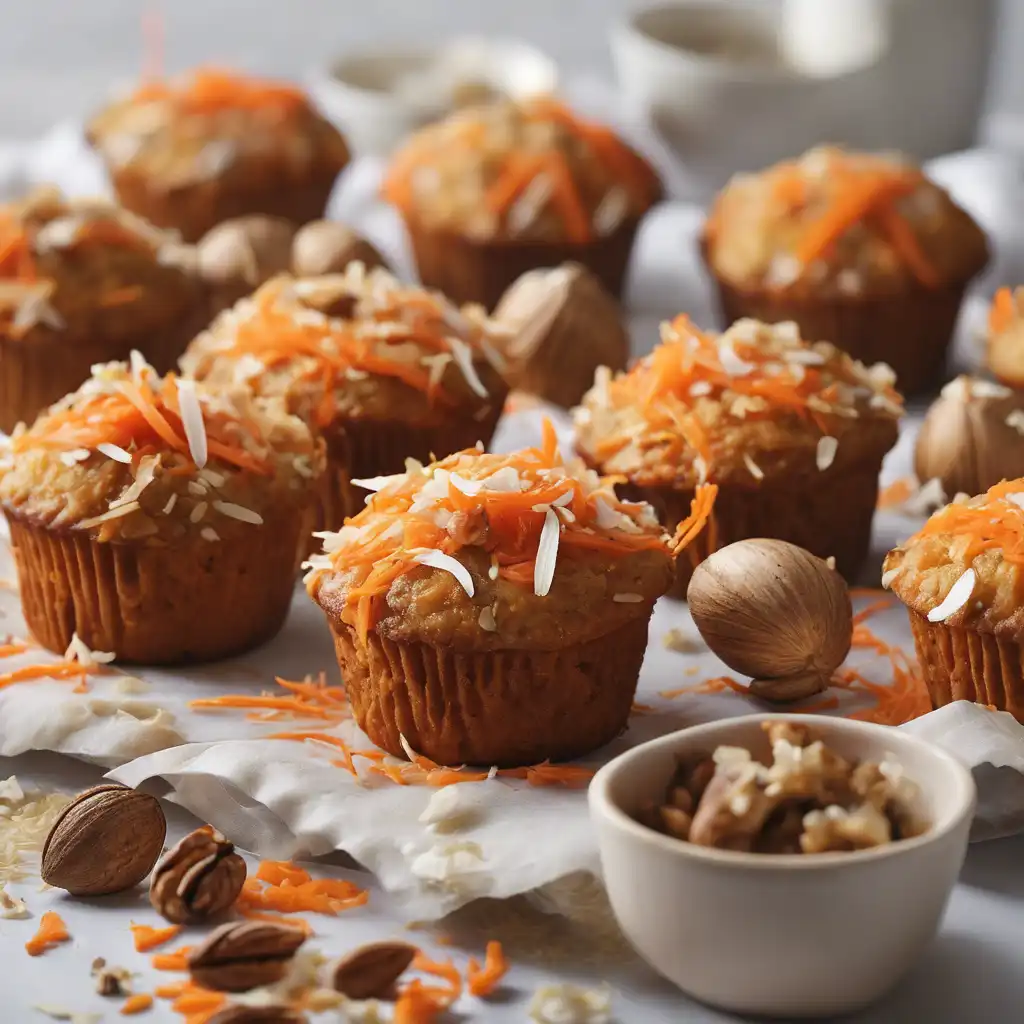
136, 1004
872, 609
1003, 311
417, 1004
170, 991
212, 90
482, 981
54, 670
289, 922
147, 938
52, 930
177, 960
897, 492
701, 509
297, 892
902, 238
547, 774
446, 971
281, 872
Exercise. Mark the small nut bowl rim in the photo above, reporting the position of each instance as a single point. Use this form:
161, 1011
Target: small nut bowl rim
958, 803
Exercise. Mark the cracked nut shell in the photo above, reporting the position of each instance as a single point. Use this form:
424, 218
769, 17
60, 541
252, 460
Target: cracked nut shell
371, 971
197, 879
242, 955
105, 841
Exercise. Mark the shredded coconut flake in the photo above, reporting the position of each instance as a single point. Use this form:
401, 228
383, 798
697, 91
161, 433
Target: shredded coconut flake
79, 651
240, 512
198, 512
752, 467
115, 452
192, 421
487, 621
113, 513
439, 560
171, 502
889, 577
959, 594
826, 453
377, 483
209, 533
75, 456
464, 360
547, 554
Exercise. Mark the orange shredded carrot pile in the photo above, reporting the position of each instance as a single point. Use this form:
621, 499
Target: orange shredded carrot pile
295, 891
197, 1005
483, 981
51, 670
212, 90
510, 173
310, 698
1003, 311
147, 938
176, 960
897, 493
137, 1003
52, 930
903, 700
548, 774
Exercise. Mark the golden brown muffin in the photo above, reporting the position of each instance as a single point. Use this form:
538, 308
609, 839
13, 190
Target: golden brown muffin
383, 371
156, 518
84, 282
499, 189
214, 144
493, 609
1005, 350
860, 250
792, 433
960, 578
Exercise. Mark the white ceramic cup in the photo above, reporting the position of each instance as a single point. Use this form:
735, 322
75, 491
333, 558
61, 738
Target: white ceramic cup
783, 935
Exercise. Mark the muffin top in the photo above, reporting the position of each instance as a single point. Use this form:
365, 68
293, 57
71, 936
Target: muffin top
1005, 353
738, 407
354, 345
530, 171
841, 224
494, 552
212, 124
964, 568
87, 267
132, 456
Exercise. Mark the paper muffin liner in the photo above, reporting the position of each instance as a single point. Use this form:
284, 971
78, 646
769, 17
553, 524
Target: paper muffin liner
964, 664
36, 371
357, 449
194, 601
506, 708
828, 513
911, 332
195, 208
467, 270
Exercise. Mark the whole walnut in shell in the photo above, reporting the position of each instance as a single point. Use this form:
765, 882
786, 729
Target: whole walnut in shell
972, 437
327, 247
237, 256
773, 611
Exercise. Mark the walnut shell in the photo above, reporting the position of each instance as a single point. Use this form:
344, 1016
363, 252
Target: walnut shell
371, 971
773, 611
562, 326
105, 841
197, 879
243, 955
971, 438
326, 247
237, 256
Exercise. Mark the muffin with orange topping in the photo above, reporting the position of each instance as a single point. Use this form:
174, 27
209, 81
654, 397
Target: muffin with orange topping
792, 433
860, 250
156, 518
84, 282
493, 609
383, 371
192, 152
499, 189
962, 580
1004, 354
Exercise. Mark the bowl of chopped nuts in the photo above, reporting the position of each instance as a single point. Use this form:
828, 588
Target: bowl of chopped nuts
787, 865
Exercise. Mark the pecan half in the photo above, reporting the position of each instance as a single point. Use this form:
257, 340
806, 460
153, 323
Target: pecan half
200, 877
371, 971
242, 955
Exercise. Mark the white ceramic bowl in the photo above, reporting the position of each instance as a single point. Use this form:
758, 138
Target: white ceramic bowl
791, 936
378, 98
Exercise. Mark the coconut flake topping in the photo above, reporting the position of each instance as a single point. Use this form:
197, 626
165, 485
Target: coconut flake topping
192, 421
959, 594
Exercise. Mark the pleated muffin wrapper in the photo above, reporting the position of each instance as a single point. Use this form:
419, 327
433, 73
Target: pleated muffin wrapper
193, 600
358, 449
828, 512
508, 708
468, 270
967, 664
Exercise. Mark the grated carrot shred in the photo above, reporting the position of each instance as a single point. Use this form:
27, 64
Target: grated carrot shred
137, 1003
170, 991
1003, 311
176, 960
897, 493
147, 938
289, 922
297, 892
52, 930
54, 670
482, 981
446, 971
418, 1004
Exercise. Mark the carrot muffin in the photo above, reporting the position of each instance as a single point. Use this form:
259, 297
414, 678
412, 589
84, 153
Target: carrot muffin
792, 433
860, 250
562, 326
191, 152
499, 189
156, 518
1005, 349
383, 371
84, 282
493, 609
962, 580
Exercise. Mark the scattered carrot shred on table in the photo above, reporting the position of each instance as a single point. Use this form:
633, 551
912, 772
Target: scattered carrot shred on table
288, 922
297, 892
170, 991
177, 960
898, 492
306, 699
54, 670
1003, 310
482, 981
147, 937
446, 971
52, 930
136, 1004
417, 1004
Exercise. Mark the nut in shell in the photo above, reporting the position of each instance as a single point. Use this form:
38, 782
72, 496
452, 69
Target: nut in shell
773, 611
371, 971
105, 841
238, 255
971, 437
327, 247
562, 326
243, 955
197, 879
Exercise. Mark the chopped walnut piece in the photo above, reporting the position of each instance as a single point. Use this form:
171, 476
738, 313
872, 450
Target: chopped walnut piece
733, 809
836, 828
675, 822
791, 732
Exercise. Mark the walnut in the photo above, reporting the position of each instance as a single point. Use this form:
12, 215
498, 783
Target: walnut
200, 877
836, 828
733, 809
